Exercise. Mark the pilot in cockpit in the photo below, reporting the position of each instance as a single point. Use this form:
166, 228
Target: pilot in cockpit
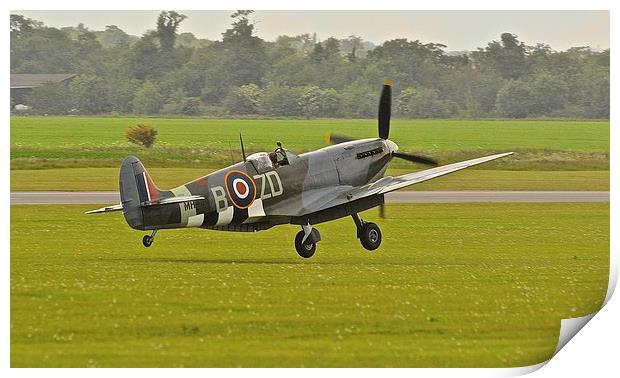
278, 157
274, 159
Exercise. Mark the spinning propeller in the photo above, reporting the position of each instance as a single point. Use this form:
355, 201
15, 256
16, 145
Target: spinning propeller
385, 110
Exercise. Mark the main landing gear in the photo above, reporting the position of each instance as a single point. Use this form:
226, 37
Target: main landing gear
147, 240
368, 233
305, 241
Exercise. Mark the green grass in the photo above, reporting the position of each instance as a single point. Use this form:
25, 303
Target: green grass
56, 142
104, 179
453, 285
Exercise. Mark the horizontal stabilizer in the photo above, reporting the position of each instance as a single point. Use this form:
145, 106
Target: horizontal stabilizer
165, 201
107, 209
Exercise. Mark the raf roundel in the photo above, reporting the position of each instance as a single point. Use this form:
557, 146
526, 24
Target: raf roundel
240, 188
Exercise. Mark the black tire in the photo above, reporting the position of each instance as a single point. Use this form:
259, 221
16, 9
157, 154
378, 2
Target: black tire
147, 241
305, 250
370, 236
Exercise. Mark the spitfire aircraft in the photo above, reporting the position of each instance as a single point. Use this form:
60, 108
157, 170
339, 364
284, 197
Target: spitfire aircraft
280, 187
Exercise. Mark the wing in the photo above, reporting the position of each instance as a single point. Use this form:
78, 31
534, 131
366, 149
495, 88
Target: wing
321, 199
163, 201
416, 177
308, 201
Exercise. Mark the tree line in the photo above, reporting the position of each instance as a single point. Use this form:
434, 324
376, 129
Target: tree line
164, 72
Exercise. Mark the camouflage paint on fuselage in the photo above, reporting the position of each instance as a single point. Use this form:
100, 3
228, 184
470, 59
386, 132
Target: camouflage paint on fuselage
253, 195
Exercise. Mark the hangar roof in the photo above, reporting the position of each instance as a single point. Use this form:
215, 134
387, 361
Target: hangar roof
36, 80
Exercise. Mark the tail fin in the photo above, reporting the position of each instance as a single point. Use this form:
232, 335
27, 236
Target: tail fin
136, 188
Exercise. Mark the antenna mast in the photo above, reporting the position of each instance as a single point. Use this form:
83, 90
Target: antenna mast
242, 148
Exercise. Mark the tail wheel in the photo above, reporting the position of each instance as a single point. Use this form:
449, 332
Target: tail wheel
305, 249
147, 240
370, 236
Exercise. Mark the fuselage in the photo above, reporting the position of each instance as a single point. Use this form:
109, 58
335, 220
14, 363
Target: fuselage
257, 194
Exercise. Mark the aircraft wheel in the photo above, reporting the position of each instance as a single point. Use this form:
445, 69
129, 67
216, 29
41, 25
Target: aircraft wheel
147, 240
370, 236
305, 250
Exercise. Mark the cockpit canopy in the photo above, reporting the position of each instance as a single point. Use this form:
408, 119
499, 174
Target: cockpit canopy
264, 161
261, 161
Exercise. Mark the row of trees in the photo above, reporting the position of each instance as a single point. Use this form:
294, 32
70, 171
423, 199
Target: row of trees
163, 72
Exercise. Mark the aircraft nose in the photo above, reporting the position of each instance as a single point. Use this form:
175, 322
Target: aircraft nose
393, 147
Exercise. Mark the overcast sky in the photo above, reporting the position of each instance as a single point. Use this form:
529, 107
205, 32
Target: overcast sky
459, 30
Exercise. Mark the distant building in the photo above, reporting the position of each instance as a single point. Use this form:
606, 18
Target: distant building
23, 84
22, 107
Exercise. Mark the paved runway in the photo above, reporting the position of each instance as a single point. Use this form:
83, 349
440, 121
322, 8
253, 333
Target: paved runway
394, 197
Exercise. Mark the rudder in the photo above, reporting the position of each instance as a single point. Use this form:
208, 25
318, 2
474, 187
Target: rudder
136, 188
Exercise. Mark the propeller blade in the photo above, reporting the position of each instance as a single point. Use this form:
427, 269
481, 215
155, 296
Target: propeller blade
416, 158
385, 109
336, 139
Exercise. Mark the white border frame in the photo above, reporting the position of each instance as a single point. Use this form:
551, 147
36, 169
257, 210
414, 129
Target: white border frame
597, 344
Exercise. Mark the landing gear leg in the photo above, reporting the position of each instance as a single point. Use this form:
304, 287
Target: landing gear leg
147, 240
305, 241
368, 233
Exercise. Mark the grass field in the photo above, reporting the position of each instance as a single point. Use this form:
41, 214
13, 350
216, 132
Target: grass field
453, 285
57, 142
104, 179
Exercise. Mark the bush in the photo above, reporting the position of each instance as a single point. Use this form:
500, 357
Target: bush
143, 135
